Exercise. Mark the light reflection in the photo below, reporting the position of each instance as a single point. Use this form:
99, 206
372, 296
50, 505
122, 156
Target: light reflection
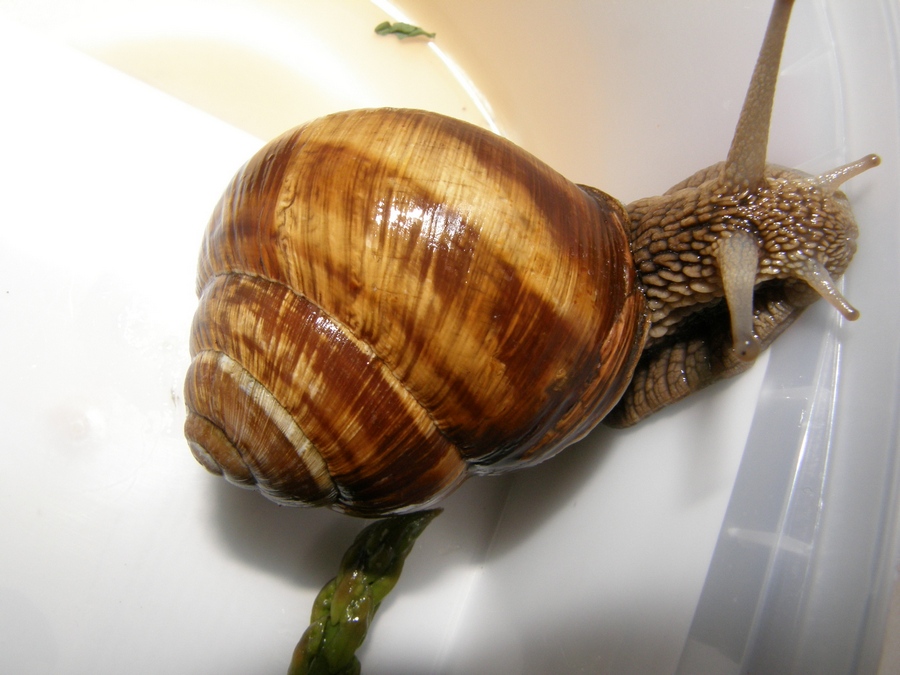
325, 326
440, 227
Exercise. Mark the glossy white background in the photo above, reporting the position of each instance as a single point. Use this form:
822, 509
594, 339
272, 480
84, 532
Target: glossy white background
122, 123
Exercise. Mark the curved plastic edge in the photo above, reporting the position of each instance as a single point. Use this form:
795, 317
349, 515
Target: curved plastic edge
801, 576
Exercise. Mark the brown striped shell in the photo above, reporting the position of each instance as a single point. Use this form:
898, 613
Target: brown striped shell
391, 300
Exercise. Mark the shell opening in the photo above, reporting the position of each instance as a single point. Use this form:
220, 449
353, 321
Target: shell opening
837, 177
814, 273
738, 259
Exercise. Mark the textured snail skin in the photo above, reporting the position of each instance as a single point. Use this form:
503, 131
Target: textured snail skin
391, 300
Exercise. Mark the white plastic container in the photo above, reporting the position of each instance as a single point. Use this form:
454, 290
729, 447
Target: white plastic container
752, 528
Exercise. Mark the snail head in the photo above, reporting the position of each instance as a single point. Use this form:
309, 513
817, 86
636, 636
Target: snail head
730, 256
710, 238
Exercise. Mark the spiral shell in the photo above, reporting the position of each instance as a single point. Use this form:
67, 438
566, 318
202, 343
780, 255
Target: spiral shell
392, 300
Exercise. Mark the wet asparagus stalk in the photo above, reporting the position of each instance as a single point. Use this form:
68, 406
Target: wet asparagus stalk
346, 605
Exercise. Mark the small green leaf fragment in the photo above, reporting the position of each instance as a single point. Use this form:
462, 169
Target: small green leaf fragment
401, 30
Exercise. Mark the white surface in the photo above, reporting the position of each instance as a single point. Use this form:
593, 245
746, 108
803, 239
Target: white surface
122, 554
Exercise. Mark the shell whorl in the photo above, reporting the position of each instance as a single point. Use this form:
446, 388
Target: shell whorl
391, 300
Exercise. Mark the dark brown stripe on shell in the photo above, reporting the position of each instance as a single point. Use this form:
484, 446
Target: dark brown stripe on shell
491, 321
237, 236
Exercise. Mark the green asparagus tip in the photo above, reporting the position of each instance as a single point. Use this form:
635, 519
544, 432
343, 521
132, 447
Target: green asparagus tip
347, 604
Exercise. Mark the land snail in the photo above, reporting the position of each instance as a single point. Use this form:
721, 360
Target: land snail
393, 300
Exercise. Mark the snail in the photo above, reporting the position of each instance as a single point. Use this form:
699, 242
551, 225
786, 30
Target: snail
393, 300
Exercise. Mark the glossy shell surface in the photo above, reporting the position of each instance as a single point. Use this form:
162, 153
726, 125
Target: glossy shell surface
392, 300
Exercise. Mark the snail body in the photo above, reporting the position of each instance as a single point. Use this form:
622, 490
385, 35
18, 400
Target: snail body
393, 300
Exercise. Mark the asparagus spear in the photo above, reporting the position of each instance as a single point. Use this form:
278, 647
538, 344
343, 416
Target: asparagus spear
346, 605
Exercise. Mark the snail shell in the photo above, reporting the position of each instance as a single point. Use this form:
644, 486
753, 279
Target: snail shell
391, 300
